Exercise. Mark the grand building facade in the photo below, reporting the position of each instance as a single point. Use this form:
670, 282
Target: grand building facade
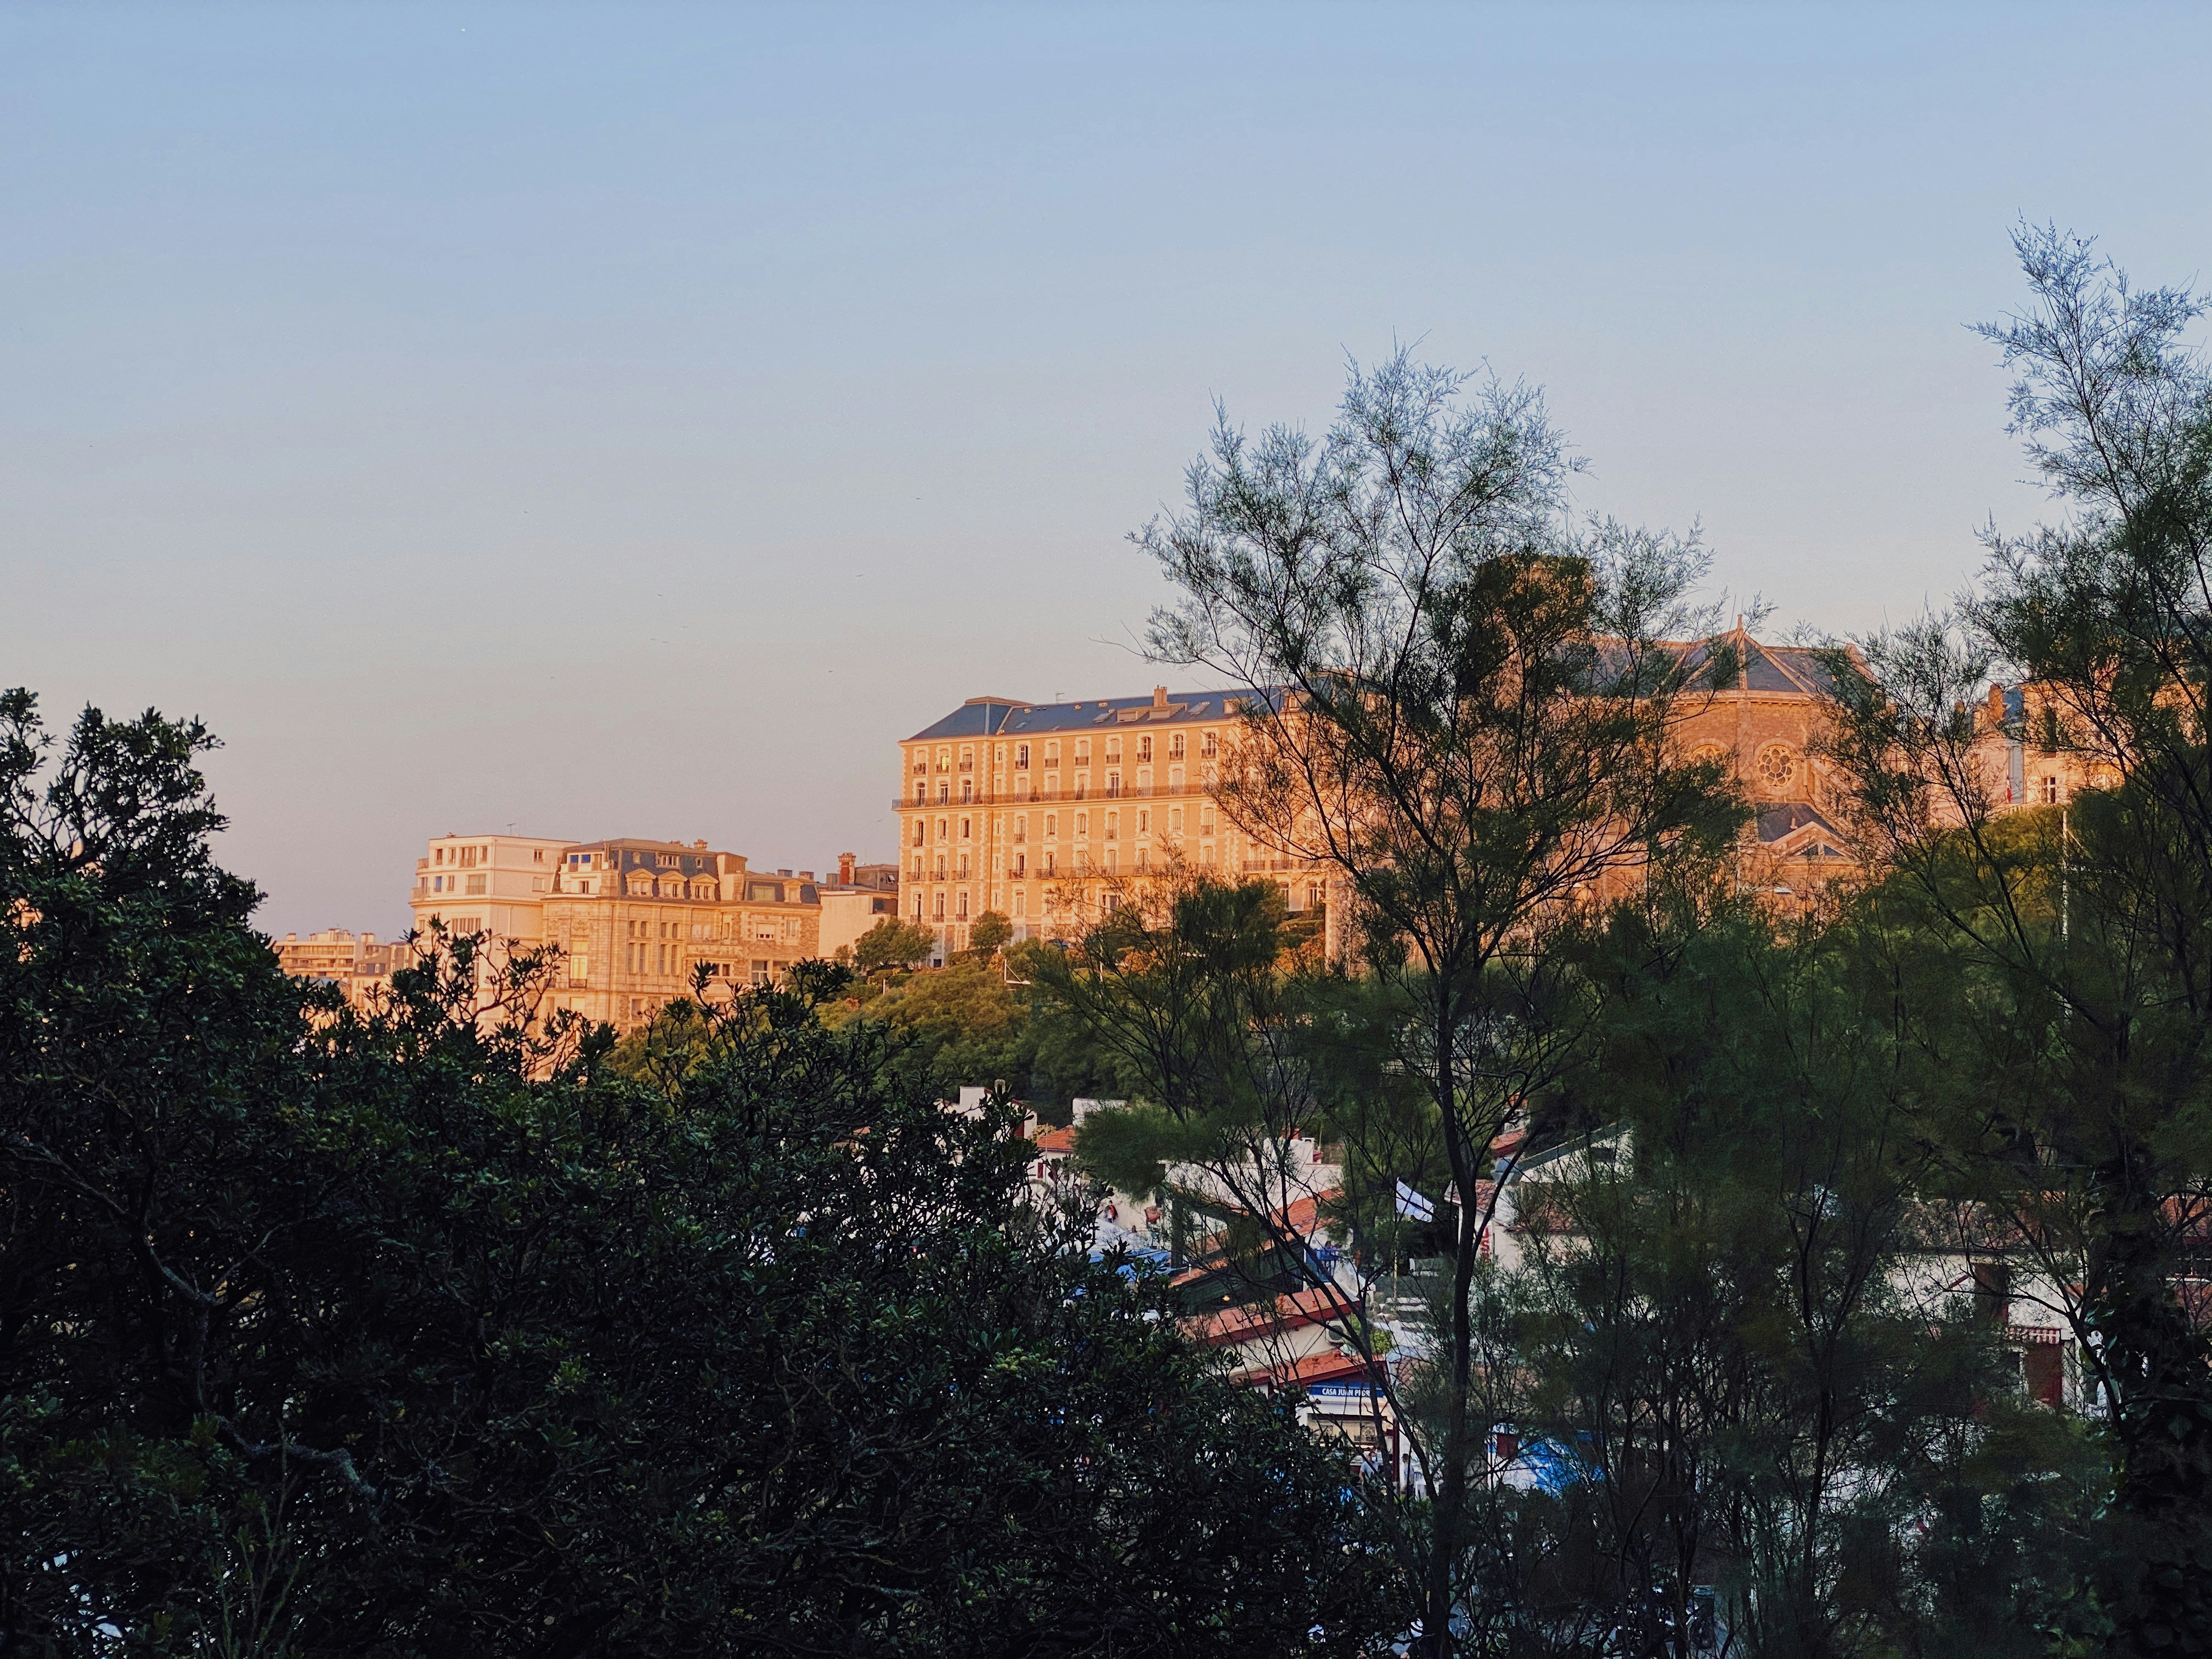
1043, 811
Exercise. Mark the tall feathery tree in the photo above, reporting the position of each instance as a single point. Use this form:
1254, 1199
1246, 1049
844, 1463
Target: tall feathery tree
1459, 703
2080, 933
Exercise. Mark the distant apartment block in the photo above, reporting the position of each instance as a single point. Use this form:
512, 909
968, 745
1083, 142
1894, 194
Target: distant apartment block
859, 896
357, 964
630, 919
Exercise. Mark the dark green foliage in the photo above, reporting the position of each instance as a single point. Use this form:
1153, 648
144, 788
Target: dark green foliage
892, 943
414, 1335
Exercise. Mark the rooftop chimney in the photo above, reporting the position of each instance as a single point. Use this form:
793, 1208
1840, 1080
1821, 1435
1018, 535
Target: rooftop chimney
701, 845
1160, 697
845, 862
807, 875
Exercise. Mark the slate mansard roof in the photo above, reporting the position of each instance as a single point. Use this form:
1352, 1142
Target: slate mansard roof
994, 717
1786, 670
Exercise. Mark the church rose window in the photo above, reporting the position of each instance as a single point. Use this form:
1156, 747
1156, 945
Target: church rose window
1777, 764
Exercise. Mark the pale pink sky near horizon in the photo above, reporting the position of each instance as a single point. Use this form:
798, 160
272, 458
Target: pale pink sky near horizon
633, 420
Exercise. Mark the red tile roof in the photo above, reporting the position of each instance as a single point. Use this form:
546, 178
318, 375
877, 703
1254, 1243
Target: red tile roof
1314, 1368
1270, 1318
1056, 1141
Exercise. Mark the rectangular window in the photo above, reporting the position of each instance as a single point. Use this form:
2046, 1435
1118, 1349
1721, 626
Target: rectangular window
1021, 758
1021, 829
760, 975
1082, 823
966, 825
2050, 790
1211, 745
475, 883
1083, 752
1113, 825
1020, 903
1174, 746
1145, 747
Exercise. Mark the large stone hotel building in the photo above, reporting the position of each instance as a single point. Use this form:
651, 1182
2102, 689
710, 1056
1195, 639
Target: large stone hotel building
1041, 811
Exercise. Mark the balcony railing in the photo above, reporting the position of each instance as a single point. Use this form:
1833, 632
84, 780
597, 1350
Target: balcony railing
1048, 797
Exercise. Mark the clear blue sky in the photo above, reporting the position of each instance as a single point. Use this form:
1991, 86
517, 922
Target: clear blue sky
624, 420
